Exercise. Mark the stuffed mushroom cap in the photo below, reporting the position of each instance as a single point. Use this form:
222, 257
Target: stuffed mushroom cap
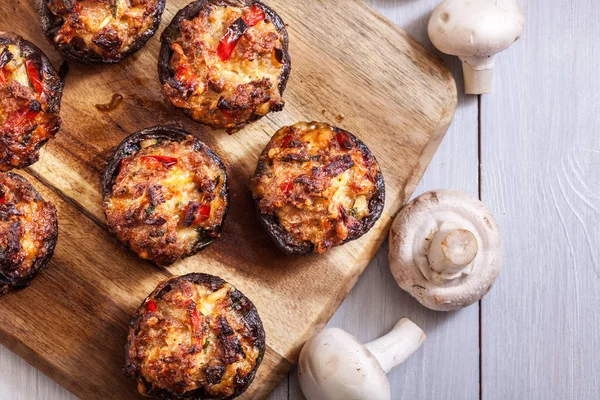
317, 186
28, 232
195, 337
225, 63
30, 95
99, 31
165, 194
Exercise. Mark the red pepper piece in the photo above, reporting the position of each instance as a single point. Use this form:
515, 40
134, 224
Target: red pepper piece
33, 73
231, 38
18, 119
287, 186
228, 113
2, 77
286, 140
2, 199
181, 74
255, 15
165, 160
195, 317
123, 163
204, 212
343, 140
150, 305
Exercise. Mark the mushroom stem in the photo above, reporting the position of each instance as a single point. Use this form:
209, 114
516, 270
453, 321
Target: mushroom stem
452, 250
478, 73
392, 349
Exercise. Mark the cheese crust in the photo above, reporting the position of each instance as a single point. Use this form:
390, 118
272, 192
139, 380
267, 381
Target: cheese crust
100, 30
317, 186
28, 232
194, 337
167, 197
225, 93
30, 93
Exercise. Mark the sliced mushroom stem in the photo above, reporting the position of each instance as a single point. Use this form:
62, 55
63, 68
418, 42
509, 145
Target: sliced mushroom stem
452, 250
478, 73
395, 347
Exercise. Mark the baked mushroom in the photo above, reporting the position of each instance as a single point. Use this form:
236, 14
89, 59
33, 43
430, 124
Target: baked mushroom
30, 94
334, 365
99, 31
165, 194
445, 249
28, 232
225, 63
317, 186
476, 31
195, 337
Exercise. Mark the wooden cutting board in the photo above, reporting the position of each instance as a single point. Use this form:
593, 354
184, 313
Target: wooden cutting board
72, 322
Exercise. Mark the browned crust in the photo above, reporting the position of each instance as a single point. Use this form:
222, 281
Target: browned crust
51, 24
53, 86
250, 315
283, 239
11, 284
131, 145
191, 11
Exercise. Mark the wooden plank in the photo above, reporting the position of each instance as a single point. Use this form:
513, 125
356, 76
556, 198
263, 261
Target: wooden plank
399, 99
541, 174
450, 356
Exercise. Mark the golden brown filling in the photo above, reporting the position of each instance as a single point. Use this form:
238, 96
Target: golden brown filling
317, 182
26, 224
193, 337
166, 198
105, 27
227, 63
26, 120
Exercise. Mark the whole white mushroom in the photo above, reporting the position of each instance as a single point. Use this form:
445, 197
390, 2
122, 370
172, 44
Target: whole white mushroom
475, 31
334, 365
445, 249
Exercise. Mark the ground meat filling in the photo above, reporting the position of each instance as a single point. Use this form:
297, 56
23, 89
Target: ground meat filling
28, 111
227, 65
28, 227
194, 336
167, 197
107, 28
317, 182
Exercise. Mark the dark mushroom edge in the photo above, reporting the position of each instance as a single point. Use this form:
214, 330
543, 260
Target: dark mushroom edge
14, 224
34, 118
129, 149
214, 344
284, 240
222, 118
109, 41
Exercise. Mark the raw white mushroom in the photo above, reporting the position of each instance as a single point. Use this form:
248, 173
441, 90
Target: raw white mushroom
445, 249
334, 365
475, 31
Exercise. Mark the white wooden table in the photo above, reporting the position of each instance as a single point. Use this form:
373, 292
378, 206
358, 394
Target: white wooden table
531, 152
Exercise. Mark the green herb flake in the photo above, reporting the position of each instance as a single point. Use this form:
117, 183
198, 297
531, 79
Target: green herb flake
150, 210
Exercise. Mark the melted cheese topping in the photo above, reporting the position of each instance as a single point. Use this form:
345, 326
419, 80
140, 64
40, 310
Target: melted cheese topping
161, 211
229, 92
26, 119
26, 224
193, 337
106, 28
317, 182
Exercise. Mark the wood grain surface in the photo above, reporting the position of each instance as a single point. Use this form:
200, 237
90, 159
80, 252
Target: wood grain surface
71, 323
